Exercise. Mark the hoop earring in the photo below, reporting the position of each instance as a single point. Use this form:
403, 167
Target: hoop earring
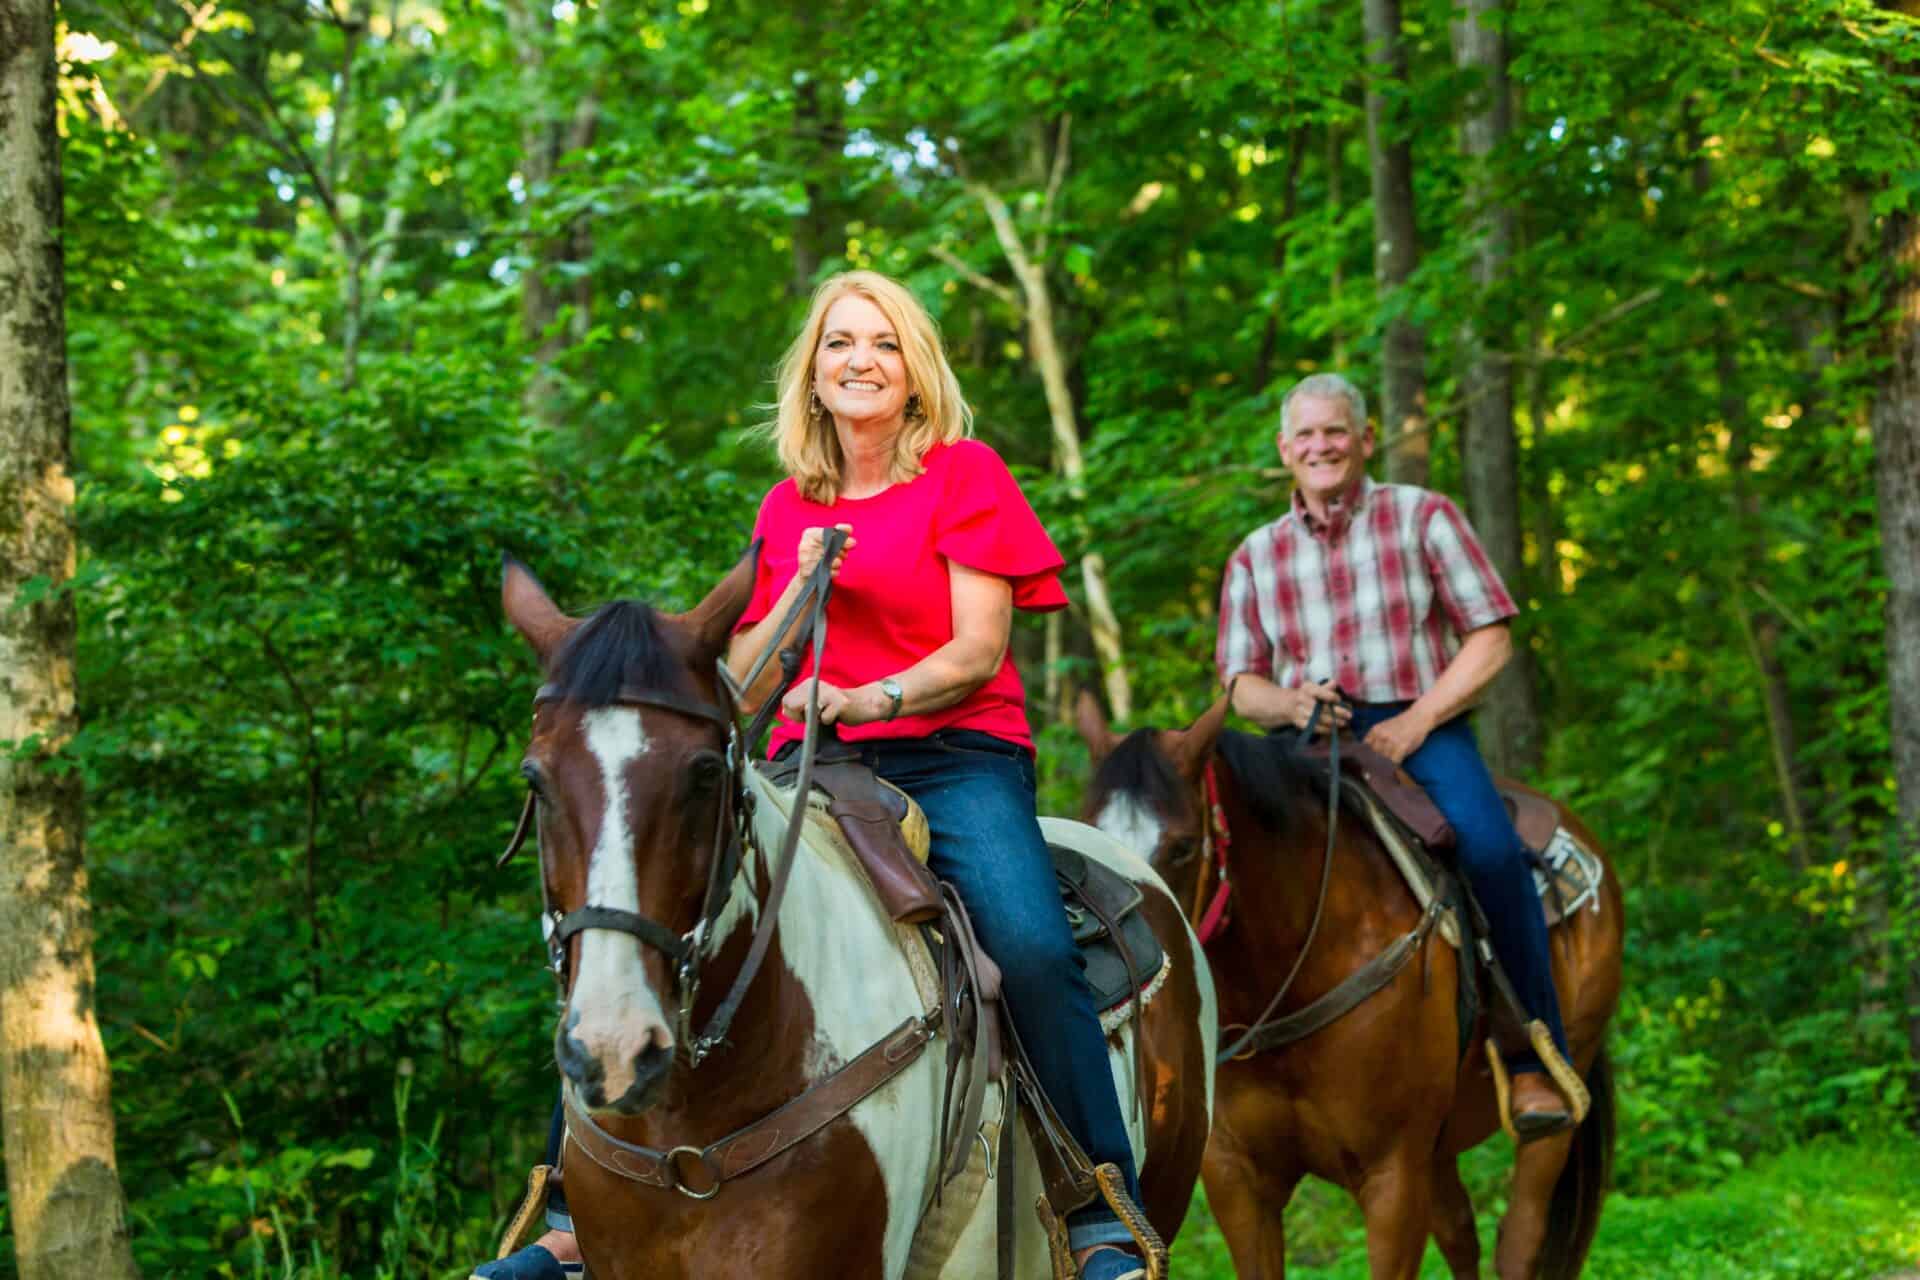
814, 405
914, 408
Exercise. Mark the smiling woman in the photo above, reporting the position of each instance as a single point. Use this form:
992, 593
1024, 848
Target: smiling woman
942, 547
869, 357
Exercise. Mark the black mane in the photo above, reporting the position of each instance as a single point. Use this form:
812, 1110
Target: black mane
1138, 768
621, 644
1271, 773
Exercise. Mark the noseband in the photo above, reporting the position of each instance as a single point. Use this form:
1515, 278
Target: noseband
733, 825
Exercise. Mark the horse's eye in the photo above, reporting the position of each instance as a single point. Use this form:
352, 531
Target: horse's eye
705, 772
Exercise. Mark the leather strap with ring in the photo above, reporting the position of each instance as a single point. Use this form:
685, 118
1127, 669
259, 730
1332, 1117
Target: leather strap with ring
747, 1148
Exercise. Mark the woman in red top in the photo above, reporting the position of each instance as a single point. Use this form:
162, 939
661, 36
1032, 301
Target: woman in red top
942, 548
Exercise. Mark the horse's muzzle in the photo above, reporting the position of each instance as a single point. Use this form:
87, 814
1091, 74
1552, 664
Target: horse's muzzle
641, 1074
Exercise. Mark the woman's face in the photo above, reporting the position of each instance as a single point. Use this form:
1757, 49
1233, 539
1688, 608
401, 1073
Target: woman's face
859, 372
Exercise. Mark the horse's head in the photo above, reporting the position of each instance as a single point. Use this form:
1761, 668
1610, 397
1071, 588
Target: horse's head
628, 762
1147, 787
1152, 791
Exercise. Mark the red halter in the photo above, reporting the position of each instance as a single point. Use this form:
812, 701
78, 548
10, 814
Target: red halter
1218, 840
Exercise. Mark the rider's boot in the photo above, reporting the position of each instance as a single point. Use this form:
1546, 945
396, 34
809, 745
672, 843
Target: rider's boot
554, 1256
1110, 1262
1538, 1109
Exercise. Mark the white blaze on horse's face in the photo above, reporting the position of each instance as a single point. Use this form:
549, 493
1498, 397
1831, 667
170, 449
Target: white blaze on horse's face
1131, 823
614, 1013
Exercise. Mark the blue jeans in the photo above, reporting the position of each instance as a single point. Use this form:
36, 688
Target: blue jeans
978, 794
1449, 766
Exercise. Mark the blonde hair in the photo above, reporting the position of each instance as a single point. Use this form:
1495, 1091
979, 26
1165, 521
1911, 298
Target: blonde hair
802, 429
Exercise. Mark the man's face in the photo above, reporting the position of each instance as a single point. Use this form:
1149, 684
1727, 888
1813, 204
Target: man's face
1323, 447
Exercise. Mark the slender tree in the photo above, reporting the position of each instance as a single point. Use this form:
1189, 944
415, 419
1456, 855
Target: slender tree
1034, 302
1489, 449
1896, 445
69, 1214
546, 139
1396, 248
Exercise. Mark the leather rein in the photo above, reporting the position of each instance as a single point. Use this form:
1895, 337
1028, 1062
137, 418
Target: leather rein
1266, 1031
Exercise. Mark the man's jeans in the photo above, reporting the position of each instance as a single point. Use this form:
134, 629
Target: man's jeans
978, 795
1449, 766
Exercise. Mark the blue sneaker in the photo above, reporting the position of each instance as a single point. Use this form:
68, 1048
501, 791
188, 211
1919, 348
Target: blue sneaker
530, 1263
1110, 1263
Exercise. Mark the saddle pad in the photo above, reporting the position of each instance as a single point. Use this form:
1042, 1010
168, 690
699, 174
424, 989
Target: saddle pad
1084, 880
1567, 875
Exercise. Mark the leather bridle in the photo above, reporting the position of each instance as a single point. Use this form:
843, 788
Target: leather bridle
733, 826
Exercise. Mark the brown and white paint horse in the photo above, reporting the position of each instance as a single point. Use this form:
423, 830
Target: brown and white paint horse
1379, 1102
630, 791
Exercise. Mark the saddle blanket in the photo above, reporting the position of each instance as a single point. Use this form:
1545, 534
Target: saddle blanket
1566, 873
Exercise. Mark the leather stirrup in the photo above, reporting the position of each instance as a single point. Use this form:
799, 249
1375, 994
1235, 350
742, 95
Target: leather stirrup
1059, 1252
1113, 1188
533, 1202
1559, 1070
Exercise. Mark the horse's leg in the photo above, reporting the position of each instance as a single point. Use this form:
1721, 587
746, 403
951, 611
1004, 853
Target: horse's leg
1453, 1224
1397, 1198
1249, 1198
1536, 1168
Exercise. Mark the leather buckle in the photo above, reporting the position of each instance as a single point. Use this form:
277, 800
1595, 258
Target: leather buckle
678, 1180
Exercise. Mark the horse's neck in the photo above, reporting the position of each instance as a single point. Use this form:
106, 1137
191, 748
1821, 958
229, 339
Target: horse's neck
1277, 879
830, 985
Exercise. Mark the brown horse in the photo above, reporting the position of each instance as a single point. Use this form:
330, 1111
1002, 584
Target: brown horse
1382, 1101
688, 1158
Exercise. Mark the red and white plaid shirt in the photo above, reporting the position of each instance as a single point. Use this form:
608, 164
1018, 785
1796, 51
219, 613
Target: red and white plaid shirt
1354, 598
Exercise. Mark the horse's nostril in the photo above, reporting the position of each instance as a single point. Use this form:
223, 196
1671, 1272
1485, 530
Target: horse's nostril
650, 1064
650, 1067
579, 1066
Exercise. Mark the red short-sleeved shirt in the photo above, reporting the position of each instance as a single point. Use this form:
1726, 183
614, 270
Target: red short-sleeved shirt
892, 603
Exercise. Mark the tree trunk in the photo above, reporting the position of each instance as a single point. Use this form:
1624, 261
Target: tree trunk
1759, 626
1044, 346
68, 1212
1896, 445
1396, 249
1489, 449
1336, 205
1289, 206
545, 138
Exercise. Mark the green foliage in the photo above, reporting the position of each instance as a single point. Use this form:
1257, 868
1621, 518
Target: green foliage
314, 405
1829, 1211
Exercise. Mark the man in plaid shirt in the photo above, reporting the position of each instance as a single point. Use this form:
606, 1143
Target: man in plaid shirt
1382, 593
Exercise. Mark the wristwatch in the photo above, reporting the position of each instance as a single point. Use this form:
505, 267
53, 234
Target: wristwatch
892, 689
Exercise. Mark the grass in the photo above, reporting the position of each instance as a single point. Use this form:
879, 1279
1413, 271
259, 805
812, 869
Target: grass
1824, 1212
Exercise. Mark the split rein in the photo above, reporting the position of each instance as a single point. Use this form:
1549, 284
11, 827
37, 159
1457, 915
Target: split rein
1261, 1025
1266, 1031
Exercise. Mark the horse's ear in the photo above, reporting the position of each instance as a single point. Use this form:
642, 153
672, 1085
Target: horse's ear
1091, 720
530, 610
1190, 747
712, 620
